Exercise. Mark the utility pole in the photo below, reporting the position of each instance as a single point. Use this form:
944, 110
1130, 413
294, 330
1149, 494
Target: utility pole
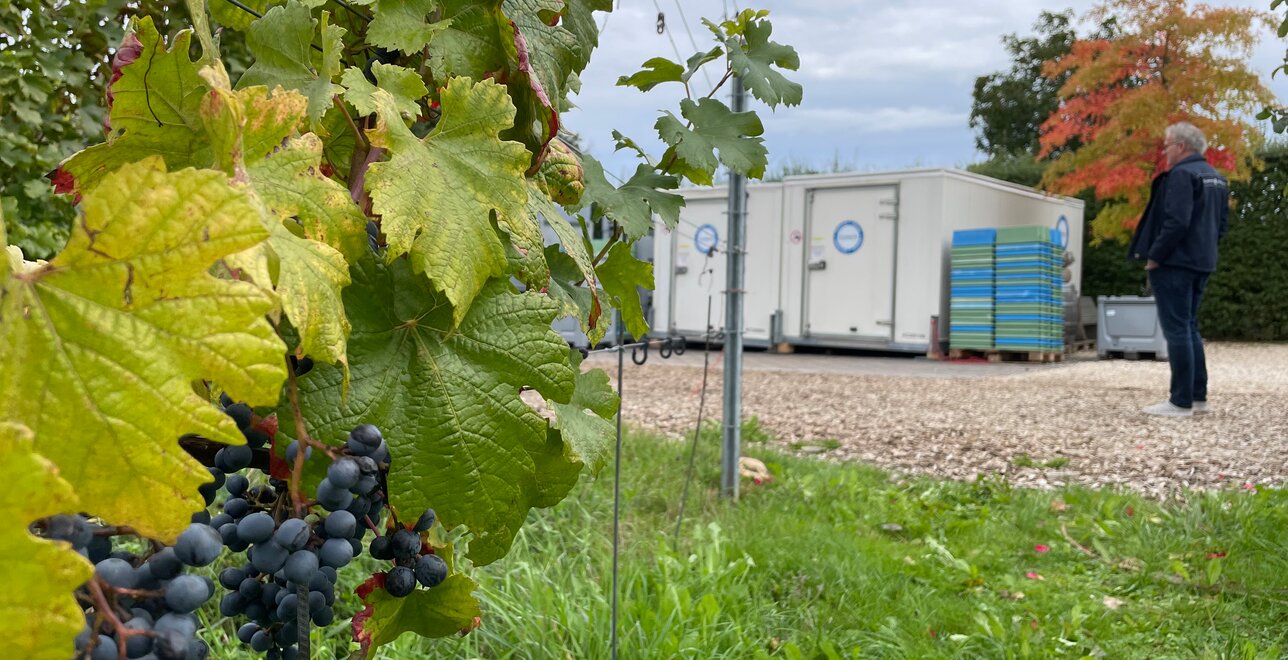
731, 447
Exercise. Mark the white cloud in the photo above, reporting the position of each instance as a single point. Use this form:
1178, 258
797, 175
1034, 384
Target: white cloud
868, 120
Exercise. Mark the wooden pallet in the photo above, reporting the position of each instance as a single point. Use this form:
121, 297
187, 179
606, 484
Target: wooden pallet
995, 355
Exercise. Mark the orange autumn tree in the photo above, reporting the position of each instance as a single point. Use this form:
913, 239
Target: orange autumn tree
1170, 63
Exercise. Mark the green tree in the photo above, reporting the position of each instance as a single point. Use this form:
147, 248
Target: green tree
1009, 106
52, 71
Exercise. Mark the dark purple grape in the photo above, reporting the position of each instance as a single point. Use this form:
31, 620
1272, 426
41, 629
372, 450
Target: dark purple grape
400, 581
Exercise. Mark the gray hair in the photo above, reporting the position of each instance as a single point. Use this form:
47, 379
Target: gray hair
1188, 135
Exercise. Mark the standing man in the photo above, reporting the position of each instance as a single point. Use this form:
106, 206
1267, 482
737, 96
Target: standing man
1187, 214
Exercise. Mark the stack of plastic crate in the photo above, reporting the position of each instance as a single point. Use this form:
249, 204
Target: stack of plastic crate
971, 290
1028, 300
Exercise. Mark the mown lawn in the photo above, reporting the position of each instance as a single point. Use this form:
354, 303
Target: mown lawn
839, 561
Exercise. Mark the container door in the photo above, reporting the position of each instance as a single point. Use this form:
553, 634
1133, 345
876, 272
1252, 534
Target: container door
698, 276
849, 263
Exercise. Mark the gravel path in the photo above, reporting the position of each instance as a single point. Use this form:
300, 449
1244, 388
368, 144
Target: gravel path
1073, 423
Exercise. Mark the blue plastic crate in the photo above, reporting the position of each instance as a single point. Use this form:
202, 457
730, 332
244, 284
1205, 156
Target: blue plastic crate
964, 237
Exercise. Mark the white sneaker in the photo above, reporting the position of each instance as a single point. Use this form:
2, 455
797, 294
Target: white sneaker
1200, 408
1167, 409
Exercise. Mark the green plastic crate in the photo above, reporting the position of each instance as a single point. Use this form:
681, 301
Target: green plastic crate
1025, 234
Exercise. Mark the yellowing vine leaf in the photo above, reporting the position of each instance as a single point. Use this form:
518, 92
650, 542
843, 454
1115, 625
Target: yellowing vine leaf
436, 196
99, 347
38, 615
154, 112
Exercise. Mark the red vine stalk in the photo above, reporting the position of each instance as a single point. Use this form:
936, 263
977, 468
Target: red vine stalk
104, 608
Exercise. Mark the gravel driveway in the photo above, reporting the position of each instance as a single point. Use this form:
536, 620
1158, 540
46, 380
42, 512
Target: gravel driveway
1042, 426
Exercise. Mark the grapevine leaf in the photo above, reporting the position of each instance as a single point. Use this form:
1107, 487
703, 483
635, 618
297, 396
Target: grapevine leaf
715, 127
698, 60
754, 60
554, 51
285, 179
435, 196
290, 183
586, 422
155, 111
621, 274
525, 233
231, 16
402, 25
40, 615
281, 44
632, 206
471, 46
579, 19
655, 72
405, 85
462, 439
113, 330
621, 141
572, 243
536, 120
575, 300
444, 610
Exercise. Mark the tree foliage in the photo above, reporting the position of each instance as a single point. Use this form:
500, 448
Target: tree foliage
360, 188
1169, 64
1008, 106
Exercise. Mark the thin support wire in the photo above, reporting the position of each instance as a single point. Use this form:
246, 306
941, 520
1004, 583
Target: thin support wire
674, 47
692, 41
697, 430
617, 487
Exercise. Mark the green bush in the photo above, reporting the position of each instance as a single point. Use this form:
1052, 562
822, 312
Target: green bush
1247, 298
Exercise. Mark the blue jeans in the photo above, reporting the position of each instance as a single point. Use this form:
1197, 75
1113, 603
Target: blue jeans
1177, 293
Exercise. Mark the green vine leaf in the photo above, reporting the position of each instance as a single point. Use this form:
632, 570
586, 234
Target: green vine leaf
555, 53
656, 71
632, 206
405, 85
754, 60
436, 196
444, 610
281, 43
579, 19
112, 332
155, 112
253, 131
471, 45
403, 25
462, 440
589, 311
715, 127
621, 275
586, 422
41, 615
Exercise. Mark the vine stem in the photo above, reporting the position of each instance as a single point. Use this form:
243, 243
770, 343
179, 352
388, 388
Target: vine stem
118, 530
105, 609
353, 126
612, 240
304, 442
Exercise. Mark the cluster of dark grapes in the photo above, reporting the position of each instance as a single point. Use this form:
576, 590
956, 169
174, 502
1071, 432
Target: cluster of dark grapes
150, 596
288, 574
414, 561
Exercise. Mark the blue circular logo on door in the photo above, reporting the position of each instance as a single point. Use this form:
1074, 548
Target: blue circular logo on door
706, 238
848, 237
1062, 227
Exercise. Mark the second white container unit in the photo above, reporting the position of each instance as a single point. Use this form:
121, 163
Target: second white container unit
688, 272
867, 258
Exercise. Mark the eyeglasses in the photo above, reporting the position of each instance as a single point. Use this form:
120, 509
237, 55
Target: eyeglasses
1169, 145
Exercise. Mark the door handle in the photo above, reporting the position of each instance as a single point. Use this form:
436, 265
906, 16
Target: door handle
821, 264
680, 270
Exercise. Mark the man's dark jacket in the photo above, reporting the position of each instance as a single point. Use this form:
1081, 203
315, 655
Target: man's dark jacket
1187, 214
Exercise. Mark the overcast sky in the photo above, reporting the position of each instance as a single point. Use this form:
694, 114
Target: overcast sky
887, 82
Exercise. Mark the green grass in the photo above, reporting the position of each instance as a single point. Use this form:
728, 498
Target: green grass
838, 561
